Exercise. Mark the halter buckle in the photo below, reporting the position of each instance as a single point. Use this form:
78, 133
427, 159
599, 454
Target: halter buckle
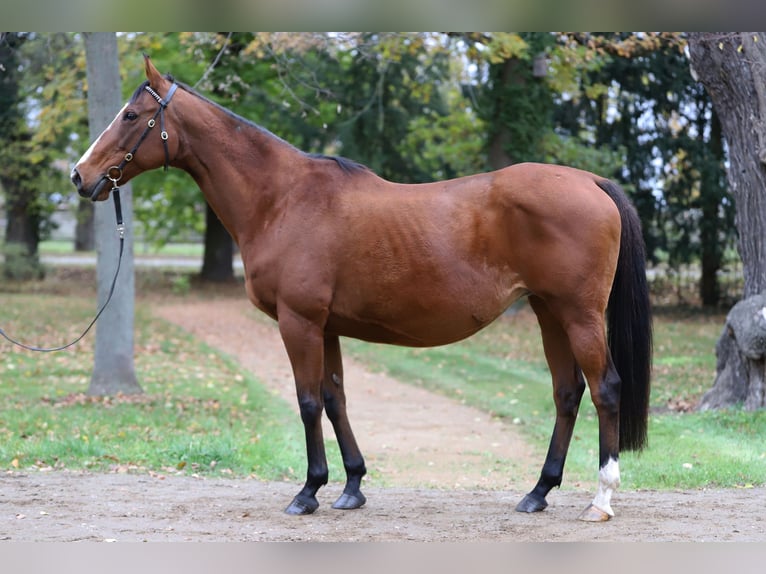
114, 173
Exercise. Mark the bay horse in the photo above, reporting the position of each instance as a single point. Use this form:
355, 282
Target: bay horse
330, 249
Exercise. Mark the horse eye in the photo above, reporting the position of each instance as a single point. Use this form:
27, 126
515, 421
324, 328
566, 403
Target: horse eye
130, 116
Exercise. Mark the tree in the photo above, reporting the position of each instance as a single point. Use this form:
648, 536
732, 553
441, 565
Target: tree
217, 259
641, 100
113, 369
732, 68
535, 83
389, 81
55, 80
19, 174
50, 68
517, 102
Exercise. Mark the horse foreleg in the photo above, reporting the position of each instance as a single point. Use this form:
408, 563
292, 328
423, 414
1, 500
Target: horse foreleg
335, 407
568, 388
304, 344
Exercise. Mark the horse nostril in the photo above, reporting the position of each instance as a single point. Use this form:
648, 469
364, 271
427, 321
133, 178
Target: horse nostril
76, 179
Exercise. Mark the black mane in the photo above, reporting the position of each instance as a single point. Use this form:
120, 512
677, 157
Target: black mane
348, 166
140, 89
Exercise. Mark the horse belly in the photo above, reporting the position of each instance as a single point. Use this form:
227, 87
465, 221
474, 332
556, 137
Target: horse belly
431, 315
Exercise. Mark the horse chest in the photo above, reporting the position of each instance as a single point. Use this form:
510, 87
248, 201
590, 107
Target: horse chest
261, 290
268, 307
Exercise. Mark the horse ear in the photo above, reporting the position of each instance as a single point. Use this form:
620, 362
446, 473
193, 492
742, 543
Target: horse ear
152, 74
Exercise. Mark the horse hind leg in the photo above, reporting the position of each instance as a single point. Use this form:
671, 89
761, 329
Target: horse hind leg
335, 407
605, 393
568, 388
592, 353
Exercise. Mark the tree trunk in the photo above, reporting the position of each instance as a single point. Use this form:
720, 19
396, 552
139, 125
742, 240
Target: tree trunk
217, 264
17, 172
732, 67
22, 235
84, 233
741, 351
113, 370
711, 245
500, 135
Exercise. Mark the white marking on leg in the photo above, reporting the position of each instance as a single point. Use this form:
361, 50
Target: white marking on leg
608, 482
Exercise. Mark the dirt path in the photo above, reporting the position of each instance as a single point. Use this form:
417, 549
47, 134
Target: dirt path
66, 506
447, 473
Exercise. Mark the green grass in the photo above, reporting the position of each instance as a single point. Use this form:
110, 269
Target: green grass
684, 356
694, 450
59, 247
201, 413
501, 370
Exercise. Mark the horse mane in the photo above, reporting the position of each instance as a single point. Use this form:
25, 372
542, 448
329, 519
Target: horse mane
139, 90
347, 166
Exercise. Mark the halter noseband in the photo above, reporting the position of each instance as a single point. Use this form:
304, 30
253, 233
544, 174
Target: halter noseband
114, 173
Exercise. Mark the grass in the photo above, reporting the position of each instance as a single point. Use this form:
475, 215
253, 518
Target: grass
61, 247
201, 413
502, 370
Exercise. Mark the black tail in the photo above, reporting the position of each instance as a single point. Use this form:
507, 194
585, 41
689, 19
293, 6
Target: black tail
629, 324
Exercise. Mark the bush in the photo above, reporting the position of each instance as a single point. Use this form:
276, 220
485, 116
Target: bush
21, 265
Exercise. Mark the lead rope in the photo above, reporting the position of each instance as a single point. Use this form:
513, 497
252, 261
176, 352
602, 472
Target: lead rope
121, 232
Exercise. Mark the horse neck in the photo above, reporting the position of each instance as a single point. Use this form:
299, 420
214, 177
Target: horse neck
240, 168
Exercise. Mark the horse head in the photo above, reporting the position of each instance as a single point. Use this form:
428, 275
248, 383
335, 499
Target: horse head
138, 139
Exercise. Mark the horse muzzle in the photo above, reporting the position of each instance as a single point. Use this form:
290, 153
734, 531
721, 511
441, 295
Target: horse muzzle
95, 193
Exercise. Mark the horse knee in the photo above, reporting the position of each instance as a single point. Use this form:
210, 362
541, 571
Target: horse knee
310, 408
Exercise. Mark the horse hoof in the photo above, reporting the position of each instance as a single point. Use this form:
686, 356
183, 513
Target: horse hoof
531, 504
348, 501
302, 506
593, 514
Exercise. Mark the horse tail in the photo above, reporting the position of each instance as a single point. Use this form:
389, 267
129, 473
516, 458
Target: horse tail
629, 324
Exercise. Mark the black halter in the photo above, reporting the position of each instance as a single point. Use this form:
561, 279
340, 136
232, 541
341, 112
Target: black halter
114, 173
